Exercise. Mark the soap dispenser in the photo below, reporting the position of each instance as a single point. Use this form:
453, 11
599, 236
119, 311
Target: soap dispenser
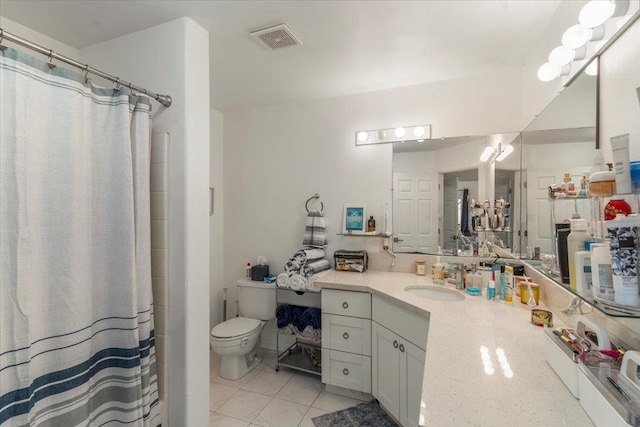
371, 225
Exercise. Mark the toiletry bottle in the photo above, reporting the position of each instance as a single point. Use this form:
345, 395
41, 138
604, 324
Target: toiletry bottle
583, 269
439, 273
565, 182
623, 232
575, 243
602, 275
491, 290
248, 270
371, 225
503, 286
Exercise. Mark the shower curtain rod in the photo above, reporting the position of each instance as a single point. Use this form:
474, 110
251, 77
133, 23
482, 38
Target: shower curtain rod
162, 99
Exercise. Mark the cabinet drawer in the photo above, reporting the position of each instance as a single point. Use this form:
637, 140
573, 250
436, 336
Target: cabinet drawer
346, 303
347, 370
349, 334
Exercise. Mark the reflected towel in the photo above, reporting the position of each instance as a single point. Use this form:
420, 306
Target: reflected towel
283, 315
311, 317
315, 232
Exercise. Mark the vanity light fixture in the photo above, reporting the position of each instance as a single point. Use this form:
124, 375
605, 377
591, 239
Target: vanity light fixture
504, 153
399, 134
496, 154
486, 154
593, 17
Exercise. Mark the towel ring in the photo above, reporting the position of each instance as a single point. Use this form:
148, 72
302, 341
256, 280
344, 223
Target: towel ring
315, 196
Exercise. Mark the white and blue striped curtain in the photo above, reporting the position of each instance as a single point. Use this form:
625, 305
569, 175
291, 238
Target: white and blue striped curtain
76, 310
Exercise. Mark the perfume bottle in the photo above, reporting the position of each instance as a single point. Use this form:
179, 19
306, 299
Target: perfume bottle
371, 224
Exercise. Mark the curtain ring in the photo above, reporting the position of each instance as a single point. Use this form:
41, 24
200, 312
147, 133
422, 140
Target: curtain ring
86, 73
50, 63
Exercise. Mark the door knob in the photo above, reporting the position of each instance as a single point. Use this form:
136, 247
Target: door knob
395, 344
402, 348
345, 305
345, 336
345, 371
395, 239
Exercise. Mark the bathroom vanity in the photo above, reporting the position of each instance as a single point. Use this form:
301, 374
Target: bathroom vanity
484, 363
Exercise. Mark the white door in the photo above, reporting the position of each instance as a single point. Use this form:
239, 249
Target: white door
539, 222
385, 363
450, 213
411, 375
415, 224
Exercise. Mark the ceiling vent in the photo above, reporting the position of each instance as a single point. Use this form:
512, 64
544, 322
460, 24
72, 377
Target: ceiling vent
278, 37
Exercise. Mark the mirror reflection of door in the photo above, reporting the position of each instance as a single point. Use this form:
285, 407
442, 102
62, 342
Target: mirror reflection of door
454, 184
415, 225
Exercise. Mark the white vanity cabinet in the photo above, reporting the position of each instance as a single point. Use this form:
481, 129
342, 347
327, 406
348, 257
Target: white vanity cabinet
346, 339
399, 340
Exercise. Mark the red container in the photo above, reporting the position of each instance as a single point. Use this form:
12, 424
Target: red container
616, 207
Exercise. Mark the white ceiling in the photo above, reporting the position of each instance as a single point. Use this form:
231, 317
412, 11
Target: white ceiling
349, 46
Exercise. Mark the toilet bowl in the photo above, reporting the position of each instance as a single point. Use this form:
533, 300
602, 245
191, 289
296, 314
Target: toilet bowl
237, 340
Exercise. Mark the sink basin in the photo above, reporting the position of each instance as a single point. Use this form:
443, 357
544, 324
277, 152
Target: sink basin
434, 293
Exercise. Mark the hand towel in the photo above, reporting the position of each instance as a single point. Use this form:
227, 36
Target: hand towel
283, 315
297, 282
283, 280
314, 254
311, 317
319, 265
314, 232
296, 318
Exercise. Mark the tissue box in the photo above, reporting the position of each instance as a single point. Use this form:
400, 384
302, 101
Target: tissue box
259, 272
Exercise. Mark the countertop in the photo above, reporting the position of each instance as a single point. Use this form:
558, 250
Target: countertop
459, 389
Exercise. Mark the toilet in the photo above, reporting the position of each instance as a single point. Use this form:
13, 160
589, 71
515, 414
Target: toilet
237, 340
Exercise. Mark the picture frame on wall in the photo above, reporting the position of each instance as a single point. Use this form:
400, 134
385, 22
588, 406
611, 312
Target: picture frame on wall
354, 219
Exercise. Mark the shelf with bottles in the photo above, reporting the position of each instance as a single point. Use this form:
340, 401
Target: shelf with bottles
609, 308
365, 234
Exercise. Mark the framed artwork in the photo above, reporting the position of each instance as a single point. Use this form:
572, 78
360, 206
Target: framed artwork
355, 218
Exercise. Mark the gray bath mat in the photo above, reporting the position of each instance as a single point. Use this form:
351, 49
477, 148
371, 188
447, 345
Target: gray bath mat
364, 415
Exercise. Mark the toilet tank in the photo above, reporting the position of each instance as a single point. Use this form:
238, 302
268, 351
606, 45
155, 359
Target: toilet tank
257, 300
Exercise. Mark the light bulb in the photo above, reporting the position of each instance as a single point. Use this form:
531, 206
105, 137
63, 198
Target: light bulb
592, 69
399, 132
486, 154
382, 135
596, 13
363, 136
418, 131
576, 36
561, 56
548, 72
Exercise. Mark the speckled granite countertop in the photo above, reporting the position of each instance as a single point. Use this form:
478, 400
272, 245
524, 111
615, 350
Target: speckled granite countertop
459, 389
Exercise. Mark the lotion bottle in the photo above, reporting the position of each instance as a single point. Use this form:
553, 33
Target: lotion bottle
575, 243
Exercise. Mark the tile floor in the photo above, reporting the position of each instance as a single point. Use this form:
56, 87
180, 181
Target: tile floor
267, 398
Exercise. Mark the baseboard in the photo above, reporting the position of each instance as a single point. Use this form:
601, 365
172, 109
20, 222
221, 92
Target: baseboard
349, 393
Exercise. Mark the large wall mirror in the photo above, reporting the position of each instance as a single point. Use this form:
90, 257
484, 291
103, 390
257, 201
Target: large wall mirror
444, 196
560, 141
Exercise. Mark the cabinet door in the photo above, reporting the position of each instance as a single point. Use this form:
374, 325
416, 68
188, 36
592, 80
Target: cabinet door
386, 368
411, 375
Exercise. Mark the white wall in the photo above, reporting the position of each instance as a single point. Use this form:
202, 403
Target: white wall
37, 38
277, 157
173, 58
216, 238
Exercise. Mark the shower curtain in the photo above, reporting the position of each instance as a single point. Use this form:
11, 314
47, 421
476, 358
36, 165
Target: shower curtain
76, 310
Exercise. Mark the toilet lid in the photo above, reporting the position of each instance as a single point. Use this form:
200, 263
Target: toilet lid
235, 327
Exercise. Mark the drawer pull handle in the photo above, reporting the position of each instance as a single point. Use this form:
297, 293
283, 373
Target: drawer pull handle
345, 336
402, 348
395, 344
345, 305
345, 371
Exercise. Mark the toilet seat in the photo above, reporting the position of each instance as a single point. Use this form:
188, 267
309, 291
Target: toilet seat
234, 328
